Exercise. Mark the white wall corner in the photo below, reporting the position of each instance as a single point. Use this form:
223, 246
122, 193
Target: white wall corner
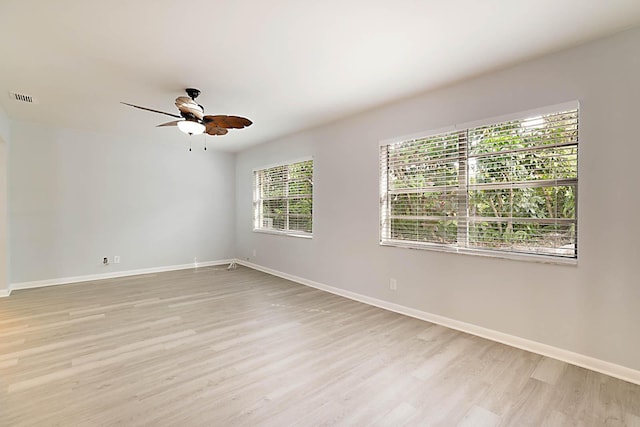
588, 362
5, 289
5, 125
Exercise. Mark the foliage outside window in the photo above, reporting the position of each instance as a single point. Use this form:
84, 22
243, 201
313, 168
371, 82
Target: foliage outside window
506, 187
283, 198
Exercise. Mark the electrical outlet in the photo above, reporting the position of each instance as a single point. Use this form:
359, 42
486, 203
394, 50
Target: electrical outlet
105, 261
116, 259
254, 253
393, 285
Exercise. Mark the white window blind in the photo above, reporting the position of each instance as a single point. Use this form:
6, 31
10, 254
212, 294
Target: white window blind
507, 187
283, 198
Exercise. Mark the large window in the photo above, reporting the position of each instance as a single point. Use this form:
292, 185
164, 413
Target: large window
507, 187
283, 198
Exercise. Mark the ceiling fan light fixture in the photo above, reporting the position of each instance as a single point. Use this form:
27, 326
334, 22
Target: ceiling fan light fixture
190, 127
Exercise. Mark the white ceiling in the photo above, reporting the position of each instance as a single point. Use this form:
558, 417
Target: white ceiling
286, 64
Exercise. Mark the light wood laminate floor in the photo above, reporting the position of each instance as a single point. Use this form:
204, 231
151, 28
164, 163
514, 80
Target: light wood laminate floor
223, 348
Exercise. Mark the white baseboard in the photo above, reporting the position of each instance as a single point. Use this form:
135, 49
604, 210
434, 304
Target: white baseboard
110, 275
588, 362
5, 293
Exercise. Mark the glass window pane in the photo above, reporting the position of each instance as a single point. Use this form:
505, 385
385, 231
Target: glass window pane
429, 231
537, 202
542, 164
273, 213
437, 203
537, 131
546, 239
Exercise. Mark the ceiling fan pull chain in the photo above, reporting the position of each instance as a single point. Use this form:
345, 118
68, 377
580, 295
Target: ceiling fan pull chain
189, 144
205, 143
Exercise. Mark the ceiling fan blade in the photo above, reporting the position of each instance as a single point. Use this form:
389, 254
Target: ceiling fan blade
187, 105
214, 130
173, 123
228, 122
149, 109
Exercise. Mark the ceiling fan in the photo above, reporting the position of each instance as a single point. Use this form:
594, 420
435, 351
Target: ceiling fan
192, 119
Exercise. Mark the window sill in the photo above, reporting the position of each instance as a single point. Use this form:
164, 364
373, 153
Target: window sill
284, 233
545, 259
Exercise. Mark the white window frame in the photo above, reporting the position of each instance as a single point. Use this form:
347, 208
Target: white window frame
386, 241
258, 217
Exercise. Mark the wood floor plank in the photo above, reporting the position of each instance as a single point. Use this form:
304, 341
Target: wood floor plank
632, 420
398, 416
548, 370
28, 329
479, 417
211, 346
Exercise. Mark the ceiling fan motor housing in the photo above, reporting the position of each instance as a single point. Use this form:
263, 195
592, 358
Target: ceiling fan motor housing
193, 93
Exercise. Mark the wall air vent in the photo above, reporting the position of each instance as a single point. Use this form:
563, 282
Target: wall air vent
21, 97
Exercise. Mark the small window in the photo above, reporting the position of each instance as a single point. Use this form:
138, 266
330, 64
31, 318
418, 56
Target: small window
503, 188
283, 199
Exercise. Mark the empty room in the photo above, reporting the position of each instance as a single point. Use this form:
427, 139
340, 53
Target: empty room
288, 213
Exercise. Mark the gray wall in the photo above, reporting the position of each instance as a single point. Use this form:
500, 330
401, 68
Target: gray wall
4, 211
4, 126
77, 196
590, 309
